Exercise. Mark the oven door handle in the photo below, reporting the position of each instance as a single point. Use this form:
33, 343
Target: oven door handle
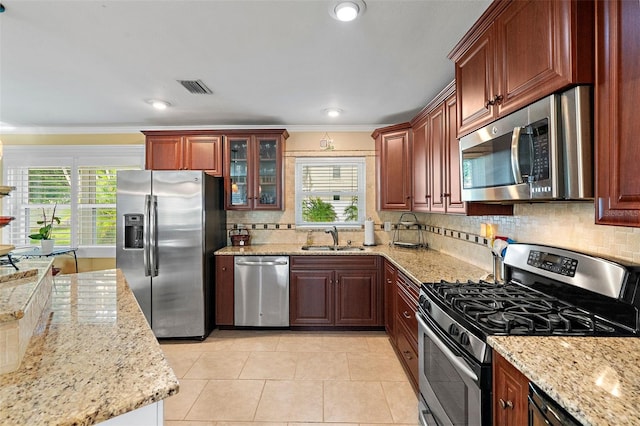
458, 361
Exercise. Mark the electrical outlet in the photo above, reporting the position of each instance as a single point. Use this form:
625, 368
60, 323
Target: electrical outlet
387, 226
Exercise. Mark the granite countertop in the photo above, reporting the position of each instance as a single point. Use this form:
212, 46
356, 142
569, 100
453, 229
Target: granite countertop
17, 287
594, 378
92, 357
421, 265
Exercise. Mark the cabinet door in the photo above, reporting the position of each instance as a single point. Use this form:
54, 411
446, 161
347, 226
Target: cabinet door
164, 153
510, 392
311, 298
268, 173
537, 61
475, 84
224, 290
356, 299
238, 176
437, 149
421, 166
203, 153
395, 171
616, 125
390, 299
453, 185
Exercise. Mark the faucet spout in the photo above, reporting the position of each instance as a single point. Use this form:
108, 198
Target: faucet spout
334, 233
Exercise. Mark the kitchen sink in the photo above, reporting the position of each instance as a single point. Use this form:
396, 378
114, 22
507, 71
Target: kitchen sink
332, 248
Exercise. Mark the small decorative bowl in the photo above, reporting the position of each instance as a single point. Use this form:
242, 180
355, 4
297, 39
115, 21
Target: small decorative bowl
4, 220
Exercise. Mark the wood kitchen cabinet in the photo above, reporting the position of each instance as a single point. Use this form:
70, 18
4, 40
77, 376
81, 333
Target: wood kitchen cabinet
406, 305
224, 290
254, 170
198, 150
616, 125
335, 291
437, 185
510, 392
393, 167
518, 52
401, 304
390, 274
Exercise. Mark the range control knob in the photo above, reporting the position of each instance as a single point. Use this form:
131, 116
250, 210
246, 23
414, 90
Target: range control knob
454, 330
464, 339
425, 303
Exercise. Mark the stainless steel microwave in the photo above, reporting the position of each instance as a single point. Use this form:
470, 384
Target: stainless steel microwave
542, 152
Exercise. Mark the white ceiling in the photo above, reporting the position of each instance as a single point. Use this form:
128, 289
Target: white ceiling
91, 65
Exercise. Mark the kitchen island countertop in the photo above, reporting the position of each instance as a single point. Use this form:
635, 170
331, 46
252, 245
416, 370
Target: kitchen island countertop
92, 357
594, 378
421, 265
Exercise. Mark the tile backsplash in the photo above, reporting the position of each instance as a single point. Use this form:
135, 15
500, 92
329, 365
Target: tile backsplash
563, 224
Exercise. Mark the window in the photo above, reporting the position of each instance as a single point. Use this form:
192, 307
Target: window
78, 181
330, 191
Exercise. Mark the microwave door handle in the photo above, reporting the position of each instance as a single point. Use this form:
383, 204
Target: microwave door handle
515, 160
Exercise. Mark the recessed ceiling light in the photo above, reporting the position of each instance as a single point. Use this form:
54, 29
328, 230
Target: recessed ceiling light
333, 112
346, 10
158, 104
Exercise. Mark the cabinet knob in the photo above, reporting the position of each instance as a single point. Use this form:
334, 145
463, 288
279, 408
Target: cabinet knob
406, 315
505, 404
407, 354
224, 268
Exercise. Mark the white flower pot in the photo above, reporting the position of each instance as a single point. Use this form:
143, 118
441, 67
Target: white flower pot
46, 246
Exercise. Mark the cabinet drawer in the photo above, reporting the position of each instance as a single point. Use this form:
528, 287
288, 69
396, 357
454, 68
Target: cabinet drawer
408, 285
334, 262
406, 315
408, 354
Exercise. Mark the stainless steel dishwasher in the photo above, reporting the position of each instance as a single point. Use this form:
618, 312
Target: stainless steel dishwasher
261, 291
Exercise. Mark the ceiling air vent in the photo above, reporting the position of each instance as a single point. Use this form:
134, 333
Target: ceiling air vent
195, 86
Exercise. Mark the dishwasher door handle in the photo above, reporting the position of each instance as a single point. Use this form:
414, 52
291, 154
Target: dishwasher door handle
275, 263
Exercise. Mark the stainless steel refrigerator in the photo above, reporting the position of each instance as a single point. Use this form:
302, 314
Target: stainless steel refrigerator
169, 223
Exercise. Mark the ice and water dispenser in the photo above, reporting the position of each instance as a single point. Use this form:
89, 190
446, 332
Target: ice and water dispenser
133, 231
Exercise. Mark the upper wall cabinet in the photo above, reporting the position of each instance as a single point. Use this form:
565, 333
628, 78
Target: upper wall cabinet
169, 150
436, 161
617, 128
254, 170
393, 167
519, 52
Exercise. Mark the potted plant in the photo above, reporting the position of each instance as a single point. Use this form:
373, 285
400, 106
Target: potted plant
45, 231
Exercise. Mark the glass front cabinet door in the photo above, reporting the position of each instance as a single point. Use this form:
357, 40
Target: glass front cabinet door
254, 180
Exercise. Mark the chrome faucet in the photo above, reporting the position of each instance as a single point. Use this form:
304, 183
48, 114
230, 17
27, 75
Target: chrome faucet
334, 233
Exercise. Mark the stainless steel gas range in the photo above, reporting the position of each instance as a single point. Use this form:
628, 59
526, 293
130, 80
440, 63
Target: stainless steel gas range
547, 291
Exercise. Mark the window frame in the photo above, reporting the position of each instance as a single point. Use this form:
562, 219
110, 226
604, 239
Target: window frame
74, 157
360, 162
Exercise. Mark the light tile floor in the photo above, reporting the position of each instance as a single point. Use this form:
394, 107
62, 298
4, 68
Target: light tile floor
288, 378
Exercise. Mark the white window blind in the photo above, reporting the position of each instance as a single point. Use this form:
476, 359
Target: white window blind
330, 191
78, 181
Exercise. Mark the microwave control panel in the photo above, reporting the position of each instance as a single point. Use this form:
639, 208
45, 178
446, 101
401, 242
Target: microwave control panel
551, 262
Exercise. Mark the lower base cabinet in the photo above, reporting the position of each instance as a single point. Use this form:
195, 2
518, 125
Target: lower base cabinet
224, 290
339, 291
401, 304
510, 392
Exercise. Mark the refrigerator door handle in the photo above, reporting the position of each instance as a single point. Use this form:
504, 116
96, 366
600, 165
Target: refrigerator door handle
145, 235
153, 249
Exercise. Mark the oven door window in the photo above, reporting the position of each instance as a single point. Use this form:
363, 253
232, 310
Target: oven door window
448, 383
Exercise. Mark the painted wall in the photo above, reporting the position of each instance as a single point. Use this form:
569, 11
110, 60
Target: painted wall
569, 225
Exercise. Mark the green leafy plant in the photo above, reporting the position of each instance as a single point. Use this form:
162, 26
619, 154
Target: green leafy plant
316, 210
44, 233
351, 211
